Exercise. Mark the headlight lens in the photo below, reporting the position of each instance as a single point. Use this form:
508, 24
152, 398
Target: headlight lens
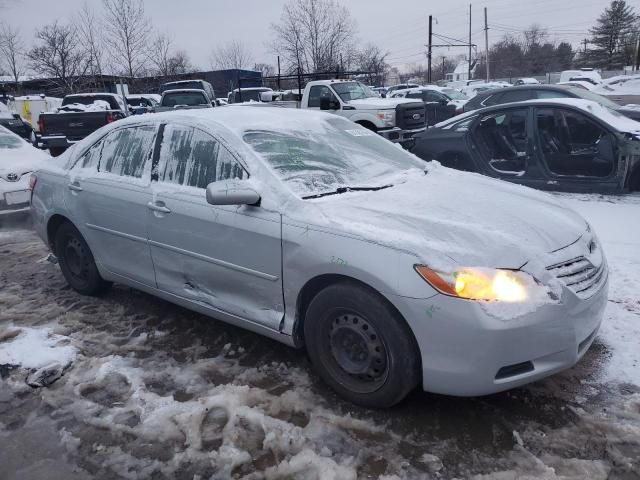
387, 116
481, 283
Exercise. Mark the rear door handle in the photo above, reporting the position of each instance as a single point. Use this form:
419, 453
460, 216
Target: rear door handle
158, 207
75, 186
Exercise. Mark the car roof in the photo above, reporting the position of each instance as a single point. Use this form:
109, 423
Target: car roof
240, 119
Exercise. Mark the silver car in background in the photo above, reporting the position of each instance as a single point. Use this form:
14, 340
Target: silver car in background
316, 232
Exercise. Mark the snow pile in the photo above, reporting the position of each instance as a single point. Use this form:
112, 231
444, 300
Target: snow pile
95, 106
34, 347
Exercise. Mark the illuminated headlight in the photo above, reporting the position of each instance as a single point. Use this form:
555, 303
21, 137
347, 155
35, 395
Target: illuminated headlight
388, 117
482, 283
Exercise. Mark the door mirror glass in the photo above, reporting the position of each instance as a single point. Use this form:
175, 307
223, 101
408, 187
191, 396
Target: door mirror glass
232, 192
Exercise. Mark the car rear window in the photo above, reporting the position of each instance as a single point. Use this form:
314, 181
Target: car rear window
190, 99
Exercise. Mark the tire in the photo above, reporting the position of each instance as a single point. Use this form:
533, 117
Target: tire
361, 346
77, 263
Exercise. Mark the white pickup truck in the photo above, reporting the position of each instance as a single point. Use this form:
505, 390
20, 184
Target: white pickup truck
396, 119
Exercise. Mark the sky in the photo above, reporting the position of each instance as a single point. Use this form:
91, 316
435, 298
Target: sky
399, 28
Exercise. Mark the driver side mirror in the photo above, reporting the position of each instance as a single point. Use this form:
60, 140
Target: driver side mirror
328, 103
232, 192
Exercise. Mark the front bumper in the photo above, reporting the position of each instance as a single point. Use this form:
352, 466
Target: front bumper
398, 135
467, 352
55, 141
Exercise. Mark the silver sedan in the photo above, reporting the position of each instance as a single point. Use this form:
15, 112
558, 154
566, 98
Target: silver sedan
316, 232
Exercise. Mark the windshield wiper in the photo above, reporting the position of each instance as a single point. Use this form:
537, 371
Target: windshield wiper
340, 190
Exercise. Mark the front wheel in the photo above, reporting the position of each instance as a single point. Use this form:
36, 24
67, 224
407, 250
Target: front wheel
77, 263
361, 346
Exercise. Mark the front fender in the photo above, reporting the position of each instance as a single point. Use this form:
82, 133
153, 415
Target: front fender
310, 252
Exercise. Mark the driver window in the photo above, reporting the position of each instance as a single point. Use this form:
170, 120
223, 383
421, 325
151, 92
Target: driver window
572, 144
502, 137
316, 93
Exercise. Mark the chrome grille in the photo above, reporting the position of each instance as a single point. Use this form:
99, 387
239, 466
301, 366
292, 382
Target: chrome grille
580, 276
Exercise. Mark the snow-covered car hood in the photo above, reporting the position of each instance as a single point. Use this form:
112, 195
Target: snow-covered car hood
375, 103
447, 215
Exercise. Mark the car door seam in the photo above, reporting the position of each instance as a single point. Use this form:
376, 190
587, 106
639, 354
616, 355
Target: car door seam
215, 261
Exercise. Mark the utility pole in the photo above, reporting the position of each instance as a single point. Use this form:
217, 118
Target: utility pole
444, 75
279, 73
429, 50
585, 41
637, 56
486, 42
469, 74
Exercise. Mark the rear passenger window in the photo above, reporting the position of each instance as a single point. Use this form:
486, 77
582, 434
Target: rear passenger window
126, 151
193, 158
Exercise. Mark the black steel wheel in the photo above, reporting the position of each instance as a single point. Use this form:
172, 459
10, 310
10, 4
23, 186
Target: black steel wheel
361, 346
77, 263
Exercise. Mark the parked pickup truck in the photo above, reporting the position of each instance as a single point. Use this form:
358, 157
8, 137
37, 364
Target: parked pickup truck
185, 98
396, 119
79, 116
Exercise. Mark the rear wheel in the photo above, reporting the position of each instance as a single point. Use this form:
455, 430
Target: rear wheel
77, 263
361, 346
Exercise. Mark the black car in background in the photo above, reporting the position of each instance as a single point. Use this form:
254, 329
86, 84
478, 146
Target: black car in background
540, 92
568, 145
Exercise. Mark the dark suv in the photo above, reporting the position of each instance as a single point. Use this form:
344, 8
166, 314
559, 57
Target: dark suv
542, 92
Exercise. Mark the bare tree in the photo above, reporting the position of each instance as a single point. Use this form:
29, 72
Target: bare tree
315, 35
166, 62
233, 54
59, 55
372, 60
264, 68
89, 32
128, 31
11, 51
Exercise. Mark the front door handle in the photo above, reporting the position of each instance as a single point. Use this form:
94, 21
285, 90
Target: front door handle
75, 186
158, 207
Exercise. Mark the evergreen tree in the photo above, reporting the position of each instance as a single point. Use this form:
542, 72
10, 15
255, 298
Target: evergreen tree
616, 27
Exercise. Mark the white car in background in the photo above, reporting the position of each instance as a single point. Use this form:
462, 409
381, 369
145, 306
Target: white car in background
526, 81
18, 159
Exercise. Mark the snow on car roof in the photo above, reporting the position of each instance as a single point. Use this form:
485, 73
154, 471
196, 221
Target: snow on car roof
419, 89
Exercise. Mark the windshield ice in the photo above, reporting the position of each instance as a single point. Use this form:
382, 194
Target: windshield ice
9, 141
352, 91
340, 155
454, 94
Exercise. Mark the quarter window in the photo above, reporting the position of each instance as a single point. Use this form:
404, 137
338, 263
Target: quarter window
91, 157
193, 158
126, 151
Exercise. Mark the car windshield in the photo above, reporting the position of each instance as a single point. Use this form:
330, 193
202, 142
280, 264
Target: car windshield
10, 142
454, 94
352, 91
190, 99
594, 97
341, 154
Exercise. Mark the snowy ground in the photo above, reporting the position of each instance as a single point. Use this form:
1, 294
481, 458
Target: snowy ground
150, 390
